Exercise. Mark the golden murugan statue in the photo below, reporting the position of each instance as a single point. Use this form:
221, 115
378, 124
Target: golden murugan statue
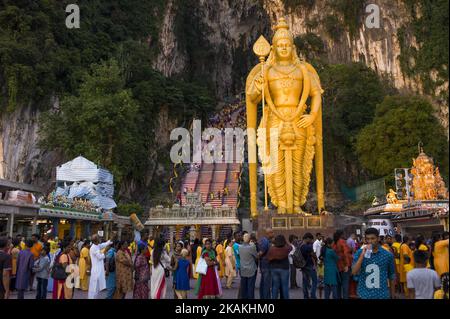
283, 84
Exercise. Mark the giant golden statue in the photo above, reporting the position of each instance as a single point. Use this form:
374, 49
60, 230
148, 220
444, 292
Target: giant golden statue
284, 84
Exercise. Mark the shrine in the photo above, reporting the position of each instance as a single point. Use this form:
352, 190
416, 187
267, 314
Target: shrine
423, 205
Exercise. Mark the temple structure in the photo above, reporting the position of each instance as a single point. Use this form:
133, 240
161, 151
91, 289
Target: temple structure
424, 209
80, 205
194, 219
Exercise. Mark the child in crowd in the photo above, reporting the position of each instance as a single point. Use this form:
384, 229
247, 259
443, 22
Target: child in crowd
421, 281
42, 270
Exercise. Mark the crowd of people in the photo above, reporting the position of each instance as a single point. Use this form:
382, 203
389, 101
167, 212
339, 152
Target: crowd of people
374, 267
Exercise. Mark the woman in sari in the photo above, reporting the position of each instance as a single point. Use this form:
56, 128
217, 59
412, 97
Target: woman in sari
208, 285
14, 252
198, 254
230, 264
220, 258
160, 261
84, 264
60, 289
141, 275
124, 271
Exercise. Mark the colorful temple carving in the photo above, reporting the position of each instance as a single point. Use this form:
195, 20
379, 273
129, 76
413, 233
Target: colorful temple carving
427, 183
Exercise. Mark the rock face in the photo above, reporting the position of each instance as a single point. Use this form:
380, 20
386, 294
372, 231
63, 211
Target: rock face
21, 159
233, 27
226, 31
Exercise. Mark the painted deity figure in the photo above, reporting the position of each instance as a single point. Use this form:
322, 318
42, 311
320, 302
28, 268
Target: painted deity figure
287, 83
391, 197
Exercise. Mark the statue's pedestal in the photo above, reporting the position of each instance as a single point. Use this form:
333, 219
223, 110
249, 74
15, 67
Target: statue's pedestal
296, 224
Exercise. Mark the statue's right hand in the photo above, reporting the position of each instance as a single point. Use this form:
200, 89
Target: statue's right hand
259, 81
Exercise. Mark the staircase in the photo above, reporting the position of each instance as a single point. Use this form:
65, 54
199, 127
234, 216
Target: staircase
204, 181
218, 183
232, 182
189, 183
215, 177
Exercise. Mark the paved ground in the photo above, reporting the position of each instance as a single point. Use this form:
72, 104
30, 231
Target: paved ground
227, 293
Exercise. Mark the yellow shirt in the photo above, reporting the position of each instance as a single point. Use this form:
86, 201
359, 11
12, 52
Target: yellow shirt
439, 294
83, 262
440, 255
396, 247
132, 247
408, 267
22, 245
53, 246
405, 251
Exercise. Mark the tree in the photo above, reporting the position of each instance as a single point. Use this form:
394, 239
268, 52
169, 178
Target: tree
99, 123
351, 93
390, 141
130, 208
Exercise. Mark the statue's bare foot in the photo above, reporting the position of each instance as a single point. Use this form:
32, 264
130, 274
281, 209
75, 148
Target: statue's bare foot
281, 210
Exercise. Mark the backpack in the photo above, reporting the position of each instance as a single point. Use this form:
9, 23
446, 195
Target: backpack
58, 272
297, 258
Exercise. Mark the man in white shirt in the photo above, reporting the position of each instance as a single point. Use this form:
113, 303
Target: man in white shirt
421, 281
317, 245
293, 242
97, 281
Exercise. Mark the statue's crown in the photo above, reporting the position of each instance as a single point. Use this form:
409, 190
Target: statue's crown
282, 32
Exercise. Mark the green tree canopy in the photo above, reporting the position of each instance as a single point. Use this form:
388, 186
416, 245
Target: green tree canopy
352, 92
391, 140
99, 123
130, 208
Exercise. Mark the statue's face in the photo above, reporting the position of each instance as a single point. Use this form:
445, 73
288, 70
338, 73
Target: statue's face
284, 49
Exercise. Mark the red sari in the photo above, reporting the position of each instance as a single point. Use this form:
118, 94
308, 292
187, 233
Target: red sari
209, 286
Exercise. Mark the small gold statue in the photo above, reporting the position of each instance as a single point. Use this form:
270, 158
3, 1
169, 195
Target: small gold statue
391, 197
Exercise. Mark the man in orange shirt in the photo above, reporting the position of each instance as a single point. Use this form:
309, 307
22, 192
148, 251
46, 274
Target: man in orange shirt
344, 263
37, 246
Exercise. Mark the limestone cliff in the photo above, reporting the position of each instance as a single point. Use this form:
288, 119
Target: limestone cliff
231, 28
212, 40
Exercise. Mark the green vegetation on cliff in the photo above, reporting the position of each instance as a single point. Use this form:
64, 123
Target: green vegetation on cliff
351, 95
110, 95
430, 28
40, 57
391, 140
